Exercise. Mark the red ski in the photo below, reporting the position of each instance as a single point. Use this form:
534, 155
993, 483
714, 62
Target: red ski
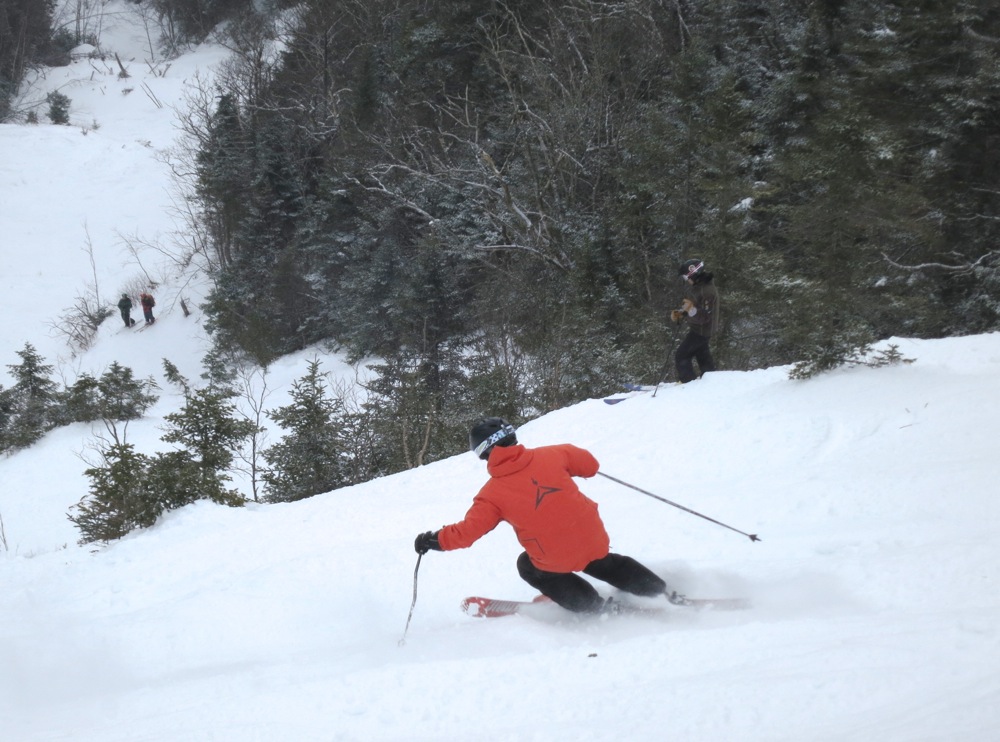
493, 608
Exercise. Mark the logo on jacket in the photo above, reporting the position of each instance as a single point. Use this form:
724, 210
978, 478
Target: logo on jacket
541, 492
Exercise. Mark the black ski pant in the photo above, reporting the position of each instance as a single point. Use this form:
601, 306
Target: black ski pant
574, 593
126, 318
693, 348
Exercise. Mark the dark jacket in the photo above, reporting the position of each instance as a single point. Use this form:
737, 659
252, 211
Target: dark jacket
705, 320
125, 304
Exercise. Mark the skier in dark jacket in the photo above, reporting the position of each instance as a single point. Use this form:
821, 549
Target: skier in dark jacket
558, 526
701, 313
148, 302
125, 307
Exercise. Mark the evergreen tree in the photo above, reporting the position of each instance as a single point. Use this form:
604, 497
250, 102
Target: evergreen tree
177, 478
193, 20
250, 181
6, 416
938, 63
130, 490
122, 396
117, 396
309, 459
58, 107
81, 401
120, 499
209, 432
31, 401
25, 31
223, 175
402, 414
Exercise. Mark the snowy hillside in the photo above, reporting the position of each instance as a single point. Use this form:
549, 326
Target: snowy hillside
874, 586
89, 208
875, 595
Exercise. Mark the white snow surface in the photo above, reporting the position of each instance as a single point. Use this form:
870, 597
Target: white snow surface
874, 492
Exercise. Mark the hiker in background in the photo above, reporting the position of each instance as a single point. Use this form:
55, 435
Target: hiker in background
125, 307
148, 302
701, 313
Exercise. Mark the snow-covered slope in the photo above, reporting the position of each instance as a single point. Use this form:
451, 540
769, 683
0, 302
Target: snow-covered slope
874, 586
89, 207
873, 490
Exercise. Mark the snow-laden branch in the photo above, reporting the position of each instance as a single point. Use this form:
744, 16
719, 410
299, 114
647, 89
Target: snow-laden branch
962, 266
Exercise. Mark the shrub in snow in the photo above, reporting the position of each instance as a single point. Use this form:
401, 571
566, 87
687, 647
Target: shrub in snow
58, 107
121, 498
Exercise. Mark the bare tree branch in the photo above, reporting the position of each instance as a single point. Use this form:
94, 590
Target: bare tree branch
961, 266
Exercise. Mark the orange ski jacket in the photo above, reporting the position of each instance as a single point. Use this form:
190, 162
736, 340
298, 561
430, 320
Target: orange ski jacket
533, 490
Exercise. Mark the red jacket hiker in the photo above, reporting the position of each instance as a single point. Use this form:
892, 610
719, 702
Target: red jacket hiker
148, 302
558, 526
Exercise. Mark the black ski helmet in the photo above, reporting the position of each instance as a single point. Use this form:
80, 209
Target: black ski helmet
691, 269
489, 432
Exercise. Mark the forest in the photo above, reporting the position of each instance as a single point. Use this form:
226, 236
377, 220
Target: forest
493, 197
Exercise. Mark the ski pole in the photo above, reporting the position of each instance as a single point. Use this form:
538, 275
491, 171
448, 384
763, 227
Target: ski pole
751, 536
666, 364
402, 641
661, 377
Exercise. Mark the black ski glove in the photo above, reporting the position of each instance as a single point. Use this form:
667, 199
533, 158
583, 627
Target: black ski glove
427, 541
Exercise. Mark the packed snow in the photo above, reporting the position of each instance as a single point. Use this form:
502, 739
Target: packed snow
874, 588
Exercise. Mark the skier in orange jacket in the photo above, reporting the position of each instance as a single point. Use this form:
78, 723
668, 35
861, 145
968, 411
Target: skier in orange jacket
558, 526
